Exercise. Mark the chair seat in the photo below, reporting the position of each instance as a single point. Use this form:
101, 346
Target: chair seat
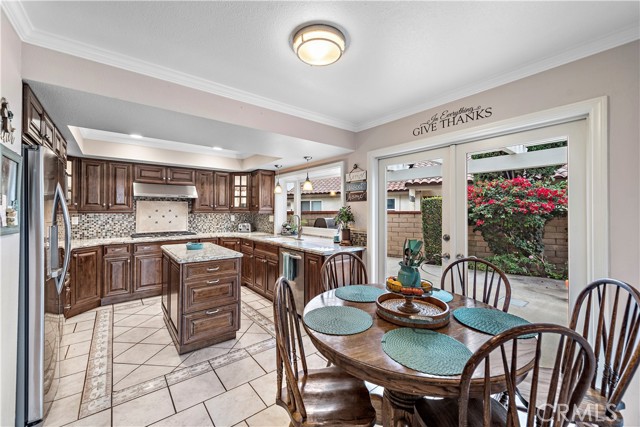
592, 409
334, 398
444, 413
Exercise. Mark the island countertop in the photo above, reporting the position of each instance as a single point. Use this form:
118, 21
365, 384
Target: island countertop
209, 252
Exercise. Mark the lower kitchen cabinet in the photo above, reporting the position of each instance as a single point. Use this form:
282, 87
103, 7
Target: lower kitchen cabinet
248, 262
85, 280
232, 243
147, 273
312, 281
266, 268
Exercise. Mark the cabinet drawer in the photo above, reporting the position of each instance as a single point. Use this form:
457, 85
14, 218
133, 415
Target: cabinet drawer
246, 246
207, 324
147, 247
210, 293
211, 269
116, 250
268, 250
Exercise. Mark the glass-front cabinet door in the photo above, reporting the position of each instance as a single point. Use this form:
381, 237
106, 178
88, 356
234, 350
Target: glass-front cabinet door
240, 191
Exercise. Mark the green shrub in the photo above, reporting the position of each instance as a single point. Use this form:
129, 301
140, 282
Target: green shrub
431, 208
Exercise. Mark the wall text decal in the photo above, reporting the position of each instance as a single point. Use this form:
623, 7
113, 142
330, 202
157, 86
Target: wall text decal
448, 118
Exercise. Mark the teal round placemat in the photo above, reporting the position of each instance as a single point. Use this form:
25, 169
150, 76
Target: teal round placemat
489, 320
426, 351
443, 296
359, 293
338, 320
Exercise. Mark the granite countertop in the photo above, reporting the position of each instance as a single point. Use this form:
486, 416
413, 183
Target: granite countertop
317, 245
209, 252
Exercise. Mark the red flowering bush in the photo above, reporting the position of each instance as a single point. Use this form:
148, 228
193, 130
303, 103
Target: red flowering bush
511, 214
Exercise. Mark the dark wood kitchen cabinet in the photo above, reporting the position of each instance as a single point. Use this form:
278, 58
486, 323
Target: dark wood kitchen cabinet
221, 188
312, 282
32, 117
201, 301
116, 270
105, 186
204, 187
240, 192
248, 264
266, 268
85, 280
92, 186
262, 184
232, 243
153, 174
147, 268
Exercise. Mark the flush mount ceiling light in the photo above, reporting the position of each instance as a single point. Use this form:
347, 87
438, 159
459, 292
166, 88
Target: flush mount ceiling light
217, 148
278, 188
135, 135
307, 185
318, 44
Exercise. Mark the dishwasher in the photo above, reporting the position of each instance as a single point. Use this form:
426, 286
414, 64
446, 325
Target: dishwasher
292, 268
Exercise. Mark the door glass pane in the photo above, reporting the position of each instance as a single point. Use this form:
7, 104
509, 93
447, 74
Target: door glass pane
517, 218
414, 202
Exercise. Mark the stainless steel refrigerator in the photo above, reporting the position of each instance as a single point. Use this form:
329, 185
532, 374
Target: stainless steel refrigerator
45, 246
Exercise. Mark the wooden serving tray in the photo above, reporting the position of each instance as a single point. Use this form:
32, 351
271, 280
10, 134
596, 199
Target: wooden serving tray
433, 313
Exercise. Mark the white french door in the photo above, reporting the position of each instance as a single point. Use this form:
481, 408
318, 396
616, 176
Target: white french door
454, 165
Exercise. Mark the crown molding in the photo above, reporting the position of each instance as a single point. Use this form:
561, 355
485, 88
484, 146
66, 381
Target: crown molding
615, 39
28, 34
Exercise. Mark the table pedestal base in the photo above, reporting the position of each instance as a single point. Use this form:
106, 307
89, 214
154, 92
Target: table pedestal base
397, 408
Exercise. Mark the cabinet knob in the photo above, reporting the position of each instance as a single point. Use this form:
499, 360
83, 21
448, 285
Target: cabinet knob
169, 179
75, 204
129, 260
212, 206
67, 307
103, 205
109, 204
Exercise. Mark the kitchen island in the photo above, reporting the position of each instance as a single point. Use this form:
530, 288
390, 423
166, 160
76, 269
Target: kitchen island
200, 294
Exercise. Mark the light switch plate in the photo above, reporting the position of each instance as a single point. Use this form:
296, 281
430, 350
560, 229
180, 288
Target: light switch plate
75, 220
233, 218
270, 218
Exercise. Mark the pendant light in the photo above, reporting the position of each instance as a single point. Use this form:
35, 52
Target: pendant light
278, 188
307, 185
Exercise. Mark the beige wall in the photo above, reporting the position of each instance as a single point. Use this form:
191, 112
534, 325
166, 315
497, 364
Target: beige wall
613, 73
11, 88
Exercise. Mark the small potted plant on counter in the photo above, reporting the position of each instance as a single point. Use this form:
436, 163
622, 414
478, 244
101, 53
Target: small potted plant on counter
343, 218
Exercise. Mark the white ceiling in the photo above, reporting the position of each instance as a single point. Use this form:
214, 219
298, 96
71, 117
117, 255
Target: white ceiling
401, 58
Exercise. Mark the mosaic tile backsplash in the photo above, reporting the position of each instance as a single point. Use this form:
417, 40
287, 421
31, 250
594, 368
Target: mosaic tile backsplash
105, 225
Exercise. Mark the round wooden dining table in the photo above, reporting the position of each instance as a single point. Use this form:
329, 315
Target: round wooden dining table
361, 355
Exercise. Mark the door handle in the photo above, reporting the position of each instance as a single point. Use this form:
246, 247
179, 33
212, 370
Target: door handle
446, 256
62, 272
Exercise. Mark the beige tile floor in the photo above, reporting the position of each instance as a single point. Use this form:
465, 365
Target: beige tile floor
120, 368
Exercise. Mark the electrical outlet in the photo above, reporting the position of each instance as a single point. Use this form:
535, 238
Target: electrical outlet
233, 218
270, 218
75, 220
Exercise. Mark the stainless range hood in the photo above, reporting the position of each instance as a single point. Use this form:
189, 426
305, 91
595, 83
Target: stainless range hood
166, 191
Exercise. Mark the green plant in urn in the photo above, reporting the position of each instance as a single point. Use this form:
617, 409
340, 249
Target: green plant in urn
412, 258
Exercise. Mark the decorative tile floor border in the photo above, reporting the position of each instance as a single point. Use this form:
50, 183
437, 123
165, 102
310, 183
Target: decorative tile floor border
259, 318
96, 395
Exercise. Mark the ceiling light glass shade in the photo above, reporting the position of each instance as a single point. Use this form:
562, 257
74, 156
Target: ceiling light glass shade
318, 44
278, 188
307, 185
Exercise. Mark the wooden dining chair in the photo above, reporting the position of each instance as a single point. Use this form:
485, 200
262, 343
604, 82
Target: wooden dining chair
343, 269
573, 369
607, 314
317, 397
478, 279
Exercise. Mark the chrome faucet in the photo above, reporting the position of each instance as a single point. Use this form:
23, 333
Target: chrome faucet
299, 226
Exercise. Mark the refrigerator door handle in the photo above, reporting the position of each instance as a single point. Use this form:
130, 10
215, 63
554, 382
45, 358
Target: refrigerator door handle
60, 274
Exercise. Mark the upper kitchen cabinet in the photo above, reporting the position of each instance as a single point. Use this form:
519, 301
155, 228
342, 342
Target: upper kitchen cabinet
153, 174
221, 185
37, 126
262, 183
204, 187
32, 117
105, 186
240, 191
